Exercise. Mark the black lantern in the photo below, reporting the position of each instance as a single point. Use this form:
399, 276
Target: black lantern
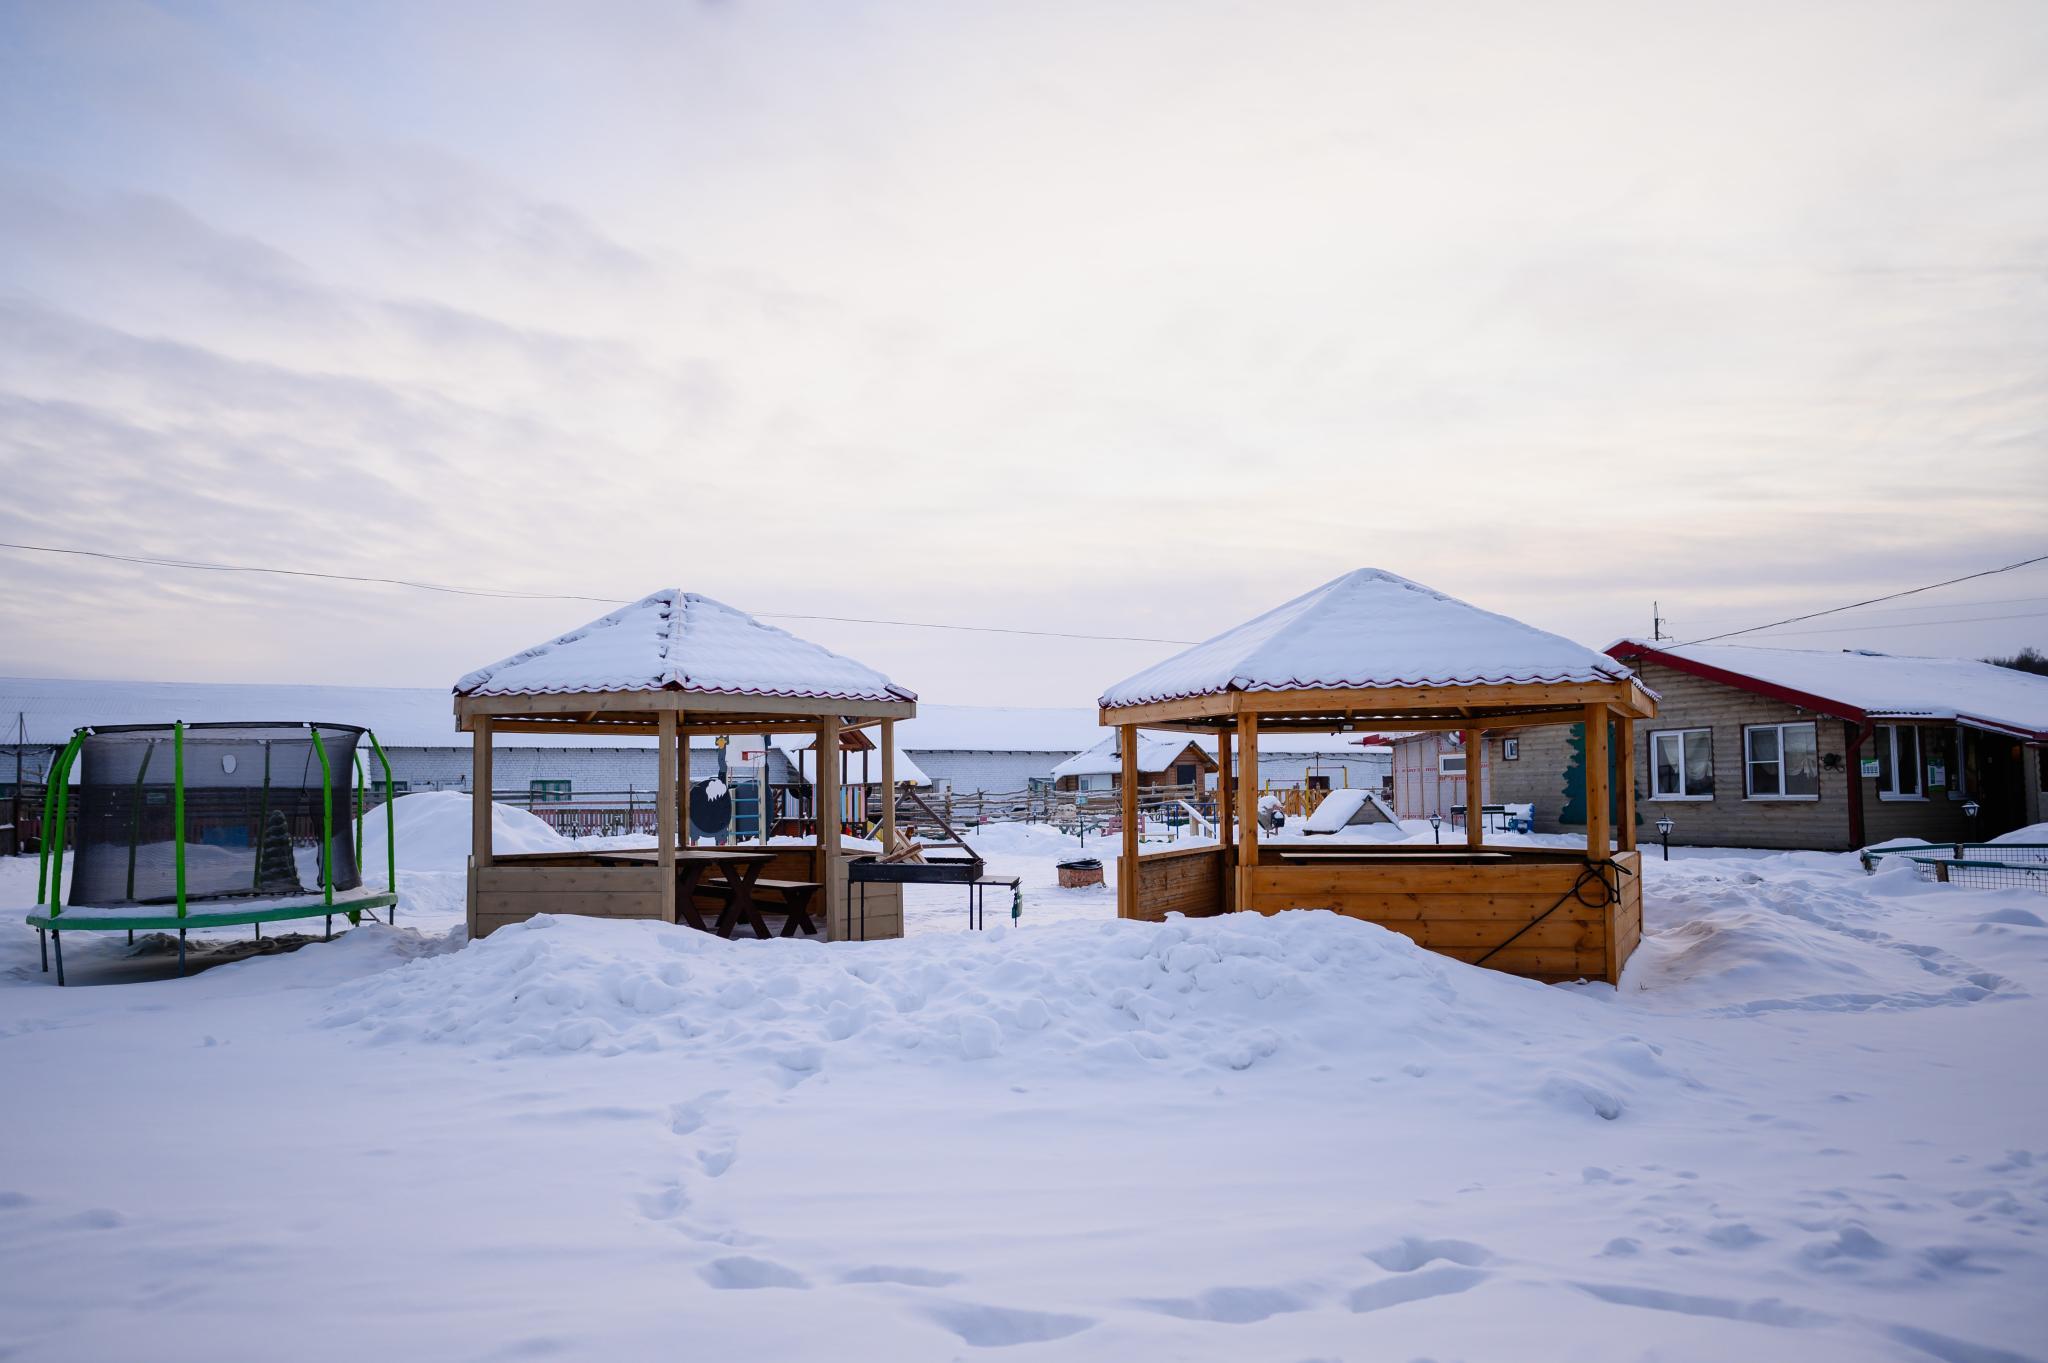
1664, 827
1436, 825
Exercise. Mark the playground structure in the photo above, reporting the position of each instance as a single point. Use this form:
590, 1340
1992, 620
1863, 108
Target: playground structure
184, 826
1374, 652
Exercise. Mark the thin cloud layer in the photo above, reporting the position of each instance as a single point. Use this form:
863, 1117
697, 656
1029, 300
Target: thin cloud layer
1133, 320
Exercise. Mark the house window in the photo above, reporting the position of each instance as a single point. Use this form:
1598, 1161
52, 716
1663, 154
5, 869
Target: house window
1682, 764
1450, 764
1898, 762
547, 792
1096, 781
1782, 761
1184, 774
1317, 782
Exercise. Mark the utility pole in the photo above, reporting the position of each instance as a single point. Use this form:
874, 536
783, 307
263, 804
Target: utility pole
1656, 623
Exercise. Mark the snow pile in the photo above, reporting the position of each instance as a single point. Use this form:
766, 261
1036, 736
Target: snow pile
1340, 808
434, 833
1217, 995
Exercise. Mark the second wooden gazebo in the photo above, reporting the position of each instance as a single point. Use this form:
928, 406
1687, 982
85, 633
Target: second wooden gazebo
668, 666
1373, 651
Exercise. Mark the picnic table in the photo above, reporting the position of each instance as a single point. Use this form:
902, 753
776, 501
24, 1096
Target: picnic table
733, 872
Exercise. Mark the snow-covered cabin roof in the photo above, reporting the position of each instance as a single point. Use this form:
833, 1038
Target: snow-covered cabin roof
804, 749
1368, 628
1156, 752
679, 641
1856, 684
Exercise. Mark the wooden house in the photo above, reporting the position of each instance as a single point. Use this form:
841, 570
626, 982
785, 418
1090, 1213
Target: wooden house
1162, 760
1371, 651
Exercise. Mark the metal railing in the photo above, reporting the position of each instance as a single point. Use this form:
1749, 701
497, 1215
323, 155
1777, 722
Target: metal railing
1976, 865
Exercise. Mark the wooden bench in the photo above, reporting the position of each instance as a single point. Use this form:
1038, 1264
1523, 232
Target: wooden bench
794, 897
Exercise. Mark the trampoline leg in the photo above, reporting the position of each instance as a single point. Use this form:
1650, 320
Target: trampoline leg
57, 940
43, 944
181, 951
131, 937
259, 931
330, 929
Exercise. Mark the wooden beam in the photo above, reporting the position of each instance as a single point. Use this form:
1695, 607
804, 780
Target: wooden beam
480, 818
1226, 789
752, 708
1596, 782
665, 813
1475, 788
888, 786
1127, 866
1247, 802
825, 791
1625, 769
1374, 706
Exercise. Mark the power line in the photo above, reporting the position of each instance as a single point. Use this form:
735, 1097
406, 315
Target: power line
497, 594
1910, 624
1854, 605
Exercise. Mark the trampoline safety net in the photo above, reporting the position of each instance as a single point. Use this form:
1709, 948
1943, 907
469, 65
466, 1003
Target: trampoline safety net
253, 813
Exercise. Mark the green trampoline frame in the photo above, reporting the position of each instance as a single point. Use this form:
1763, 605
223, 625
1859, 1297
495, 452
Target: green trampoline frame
51, 918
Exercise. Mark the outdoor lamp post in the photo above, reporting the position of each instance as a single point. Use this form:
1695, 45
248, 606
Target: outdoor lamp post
1970, 810
1436, 826
1664, 827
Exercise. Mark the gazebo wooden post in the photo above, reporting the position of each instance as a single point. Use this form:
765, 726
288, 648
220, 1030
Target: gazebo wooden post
1247, 804
1224, 788
479, 810
826, 791
1596, 782
1625, 769
1127, 866
665, 809
1475, 788
888, 786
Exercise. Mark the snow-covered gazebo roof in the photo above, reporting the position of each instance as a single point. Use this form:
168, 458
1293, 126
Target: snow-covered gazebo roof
1369, 629
679, 641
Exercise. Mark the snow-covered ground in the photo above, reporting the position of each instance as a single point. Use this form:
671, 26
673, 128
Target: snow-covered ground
1813, 1124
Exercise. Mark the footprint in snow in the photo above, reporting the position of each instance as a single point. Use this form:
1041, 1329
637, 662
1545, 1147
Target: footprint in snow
1229, 1305
685, 1118
994, 1327
742, 1272
719, 1152
907, 1276
1415, 1251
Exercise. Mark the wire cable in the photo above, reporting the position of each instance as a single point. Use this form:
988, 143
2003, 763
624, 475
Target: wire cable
1854, 605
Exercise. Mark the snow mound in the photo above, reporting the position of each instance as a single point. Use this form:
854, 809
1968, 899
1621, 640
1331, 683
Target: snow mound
433, 832
1189, 997
2034, 833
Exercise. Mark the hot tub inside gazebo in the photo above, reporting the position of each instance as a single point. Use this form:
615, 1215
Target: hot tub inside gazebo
1371, 652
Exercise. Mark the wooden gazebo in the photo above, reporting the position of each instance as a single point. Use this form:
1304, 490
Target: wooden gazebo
1374, 652
666, 667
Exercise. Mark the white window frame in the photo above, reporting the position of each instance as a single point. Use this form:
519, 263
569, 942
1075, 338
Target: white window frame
1748, 766
1443, 767
1682, 796
1888, 734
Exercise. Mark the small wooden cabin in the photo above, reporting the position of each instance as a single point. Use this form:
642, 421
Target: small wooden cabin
670, 666
1163, 760
1371, 651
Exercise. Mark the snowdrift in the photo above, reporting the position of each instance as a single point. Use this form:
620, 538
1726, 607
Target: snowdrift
1297, 989
433, 833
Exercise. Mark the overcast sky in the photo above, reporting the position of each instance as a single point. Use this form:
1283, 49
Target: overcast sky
1115, 318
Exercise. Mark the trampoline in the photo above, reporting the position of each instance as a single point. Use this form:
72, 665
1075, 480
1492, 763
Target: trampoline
183, 826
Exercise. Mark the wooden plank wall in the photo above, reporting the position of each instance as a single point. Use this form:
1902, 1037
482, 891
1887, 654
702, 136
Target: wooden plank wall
1628, 914
1195, 882
512, 893
1461, 911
